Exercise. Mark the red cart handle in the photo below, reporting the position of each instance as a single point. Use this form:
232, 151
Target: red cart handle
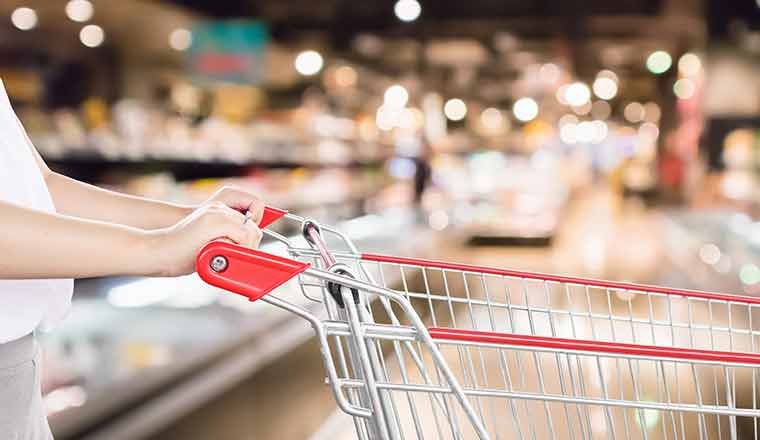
248, 272
270, 216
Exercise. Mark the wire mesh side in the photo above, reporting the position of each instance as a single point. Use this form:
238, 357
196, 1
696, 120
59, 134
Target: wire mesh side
533, 393
481, 301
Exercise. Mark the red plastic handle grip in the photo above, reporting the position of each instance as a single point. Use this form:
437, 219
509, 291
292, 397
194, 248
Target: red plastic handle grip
248, 272
603, 347
270, 216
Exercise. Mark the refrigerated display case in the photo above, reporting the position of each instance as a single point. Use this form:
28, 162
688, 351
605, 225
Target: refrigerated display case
502, 199
719, 250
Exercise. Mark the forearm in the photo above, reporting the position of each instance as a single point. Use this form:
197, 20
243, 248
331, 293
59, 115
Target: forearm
42, 245
78, 199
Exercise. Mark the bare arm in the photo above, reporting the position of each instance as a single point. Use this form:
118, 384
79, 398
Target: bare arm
79, 199
37, 244
43, 245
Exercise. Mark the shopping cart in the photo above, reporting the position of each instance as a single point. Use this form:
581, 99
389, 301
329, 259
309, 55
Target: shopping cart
426, 349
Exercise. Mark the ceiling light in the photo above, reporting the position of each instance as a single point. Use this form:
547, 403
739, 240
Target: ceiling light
684, 88
407, 10
396, 96
525, 109
689, 64
455, 109
608, 74
24, 18
92, 35
180, 39
79, 10
659, 62
309, 62
577, 94
605, 88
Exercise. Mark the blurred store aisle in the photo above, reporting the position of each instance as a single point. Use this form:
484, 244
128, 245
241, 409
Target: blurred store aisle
600, 237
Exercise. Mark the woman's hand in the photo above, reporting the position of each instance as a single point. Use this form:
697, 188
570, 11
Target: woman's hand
239, 200
176, 247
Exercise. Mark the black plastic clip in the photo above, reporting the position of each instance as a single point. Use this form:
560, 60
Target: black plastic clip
334, 289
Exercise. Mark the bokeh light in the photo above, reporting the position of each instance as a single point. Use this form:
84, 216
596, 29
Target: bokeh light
492, 119
346, 76
79, 10
180, 39
601, 110
684, 88
608, 74
600, 131
582, 110
577, 94
658, 62
309, 62
525, 109
709, 253
24, 18
567, 119
648, 133
396, 96
652, 112
605, 88
92, 35
689, 64
387, 117
749, 274
634, 112
585, 132
550, 73
560, 94
567, 133
455, 109
407, 10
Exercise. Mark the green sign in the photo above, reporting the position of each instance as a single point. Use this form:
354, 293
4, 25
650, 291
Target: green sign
231, 51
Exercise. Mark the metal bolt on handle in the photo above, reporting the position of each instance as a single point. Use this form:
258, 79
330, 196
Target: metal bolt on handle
218, 263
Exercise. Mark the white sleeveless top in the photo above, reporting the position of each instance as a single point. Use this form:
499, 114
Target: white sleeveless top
26, 305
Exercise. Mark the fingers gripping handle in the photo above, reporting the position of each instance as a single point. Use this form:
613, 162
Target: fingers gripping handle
248, 272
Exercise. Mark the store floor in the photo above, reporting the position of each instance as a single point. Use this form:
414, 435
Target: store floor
288, 400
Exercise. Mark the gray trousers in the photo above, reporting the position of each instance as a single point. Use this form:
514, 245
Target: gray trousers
22, 414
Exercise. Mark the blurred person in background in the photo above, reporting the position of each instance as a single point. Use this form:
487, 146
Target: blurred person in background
54, 229
422, 172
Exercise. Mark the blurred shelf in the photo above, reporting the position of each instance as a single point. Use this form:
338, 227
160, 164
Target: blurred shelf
89, 167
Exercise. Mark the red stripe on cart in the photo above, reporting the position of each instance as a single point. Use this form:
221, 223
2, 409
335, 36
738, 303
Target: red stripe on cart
561, 279
450, 334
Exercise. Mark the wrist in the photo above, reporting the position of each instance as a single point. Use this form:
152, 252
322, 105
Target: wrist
146, 255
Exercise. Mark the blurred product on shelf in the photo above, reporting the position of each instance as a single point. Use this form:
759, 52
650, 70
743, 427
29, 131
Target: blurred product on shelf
495, 198
139, 132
